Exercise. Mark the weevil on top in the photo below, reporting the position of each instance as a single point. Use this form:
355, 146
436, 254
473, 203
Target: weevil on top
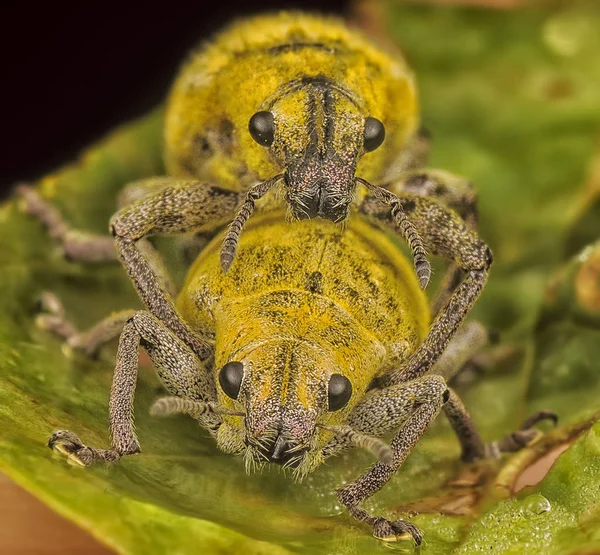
296, 110
301, 105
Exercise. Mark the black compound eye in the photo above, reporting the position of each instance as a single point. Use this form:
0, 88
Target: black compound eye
230, 378
339, 391
374, 134
262, 128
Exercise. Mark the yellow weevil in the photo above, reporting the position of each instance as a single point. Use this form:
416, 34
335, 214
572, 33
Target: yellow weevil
316, 338
305, 328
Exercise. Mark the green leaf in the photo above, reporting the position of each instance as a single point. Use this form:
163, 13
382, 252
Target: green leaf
512, 100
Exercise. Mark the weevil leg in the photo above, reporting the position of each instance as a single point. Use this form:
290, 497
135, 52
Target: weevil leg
89, 342
458, 194
526, 435
411, 406
444, 233
179, 369
466, 343
82, 246
76, 245
454, 192
451, 190
184, 206
473, 447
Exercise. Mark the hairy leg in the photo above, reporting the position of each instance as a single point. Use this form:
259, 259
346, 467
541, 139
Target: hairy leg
180, 370
184, 206
454, 192
82, 246
76, 244
412, 407
409, 409
89, 342
445, 233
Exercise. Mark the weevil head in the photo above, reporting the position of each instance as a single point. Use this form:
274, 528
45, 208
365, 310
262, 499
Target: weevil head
317, 131
284, 389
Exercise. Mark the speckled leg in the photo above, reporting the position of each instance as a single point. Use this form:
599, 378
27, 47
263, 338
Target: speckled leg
444, 233
413, 407
82, 246
182, 374
454, 192
468, 341
473, 447
182, 207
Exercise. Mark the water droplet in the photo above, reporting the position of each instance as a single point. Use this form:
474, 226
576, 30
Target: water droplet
533, 505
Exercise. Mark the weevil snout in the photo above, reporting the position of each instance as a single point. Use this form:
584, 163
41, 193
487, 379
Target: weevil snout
323, 198
282, 436
283, 450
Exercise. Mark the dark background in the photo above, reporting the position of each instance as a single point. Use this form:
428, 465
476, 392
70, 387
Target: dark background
71, 73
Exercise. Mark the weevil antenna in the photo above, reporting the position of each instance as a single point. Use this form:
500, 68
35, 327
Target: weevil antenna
405, 227
236, 227
168, 406
372, 444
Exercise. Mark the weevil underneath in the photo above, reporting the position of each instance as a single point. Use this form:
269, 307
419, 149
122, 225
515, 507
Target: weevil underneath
310, 331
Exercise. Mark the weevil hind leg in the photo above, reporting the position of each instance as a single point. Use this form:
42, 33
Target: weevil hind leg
178, 367
467, 343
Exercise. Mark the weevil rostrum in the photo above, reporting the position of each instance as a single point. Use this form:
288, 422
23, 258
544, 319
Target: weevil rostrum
315, 337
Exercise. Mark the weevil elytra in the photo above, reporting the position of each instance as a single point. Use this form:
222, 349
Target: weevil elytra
305, 328
301, 105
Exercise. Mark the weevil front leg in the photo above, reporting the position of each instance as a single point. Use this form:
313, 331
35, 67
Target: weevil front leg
445, 233
409, 409
454, 192
412, 407
178, 367
182, 207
